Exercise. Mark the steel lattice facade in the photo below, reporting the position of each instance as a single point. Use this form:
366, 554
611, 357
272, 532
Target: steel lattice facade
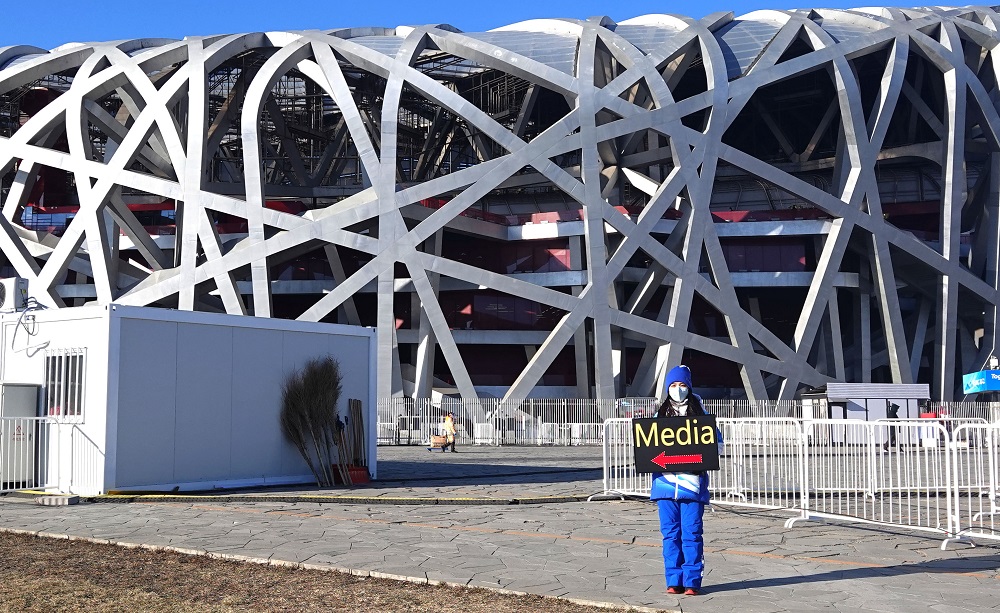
554, 207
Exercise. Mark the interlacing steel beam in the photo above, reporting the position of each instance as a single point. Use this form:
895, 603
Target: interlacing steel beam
394, 144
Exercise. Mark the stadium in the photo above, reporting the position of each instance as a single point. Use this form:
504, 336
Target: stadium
554, 208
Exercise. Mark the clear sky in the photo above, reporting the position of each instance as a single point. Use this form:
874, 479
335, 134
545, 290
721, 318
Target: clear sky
50, 23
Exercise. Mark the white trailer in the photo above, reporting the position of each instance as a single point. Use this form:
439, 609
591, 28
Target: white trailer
158, 399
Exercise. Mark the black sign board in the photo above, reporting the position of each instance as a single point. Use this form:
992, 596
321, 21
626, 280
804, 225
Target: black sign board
675, 444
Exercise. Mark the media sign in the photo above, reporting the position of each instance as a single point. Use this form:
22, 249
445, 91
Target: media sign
675, 444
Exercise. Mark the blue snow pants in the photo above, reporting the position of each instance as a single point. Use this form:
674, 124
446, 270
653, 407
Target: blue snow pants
683, 546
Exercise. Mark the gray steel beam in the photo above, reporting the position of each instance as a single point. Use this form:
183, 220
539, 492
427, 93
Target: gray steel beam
623, 123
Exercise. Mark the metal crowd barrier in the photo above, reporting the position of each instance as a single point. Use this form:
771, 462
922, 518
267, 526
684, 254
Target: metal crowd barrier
620, 478
976, 475
762, 463
884, 472
935, 475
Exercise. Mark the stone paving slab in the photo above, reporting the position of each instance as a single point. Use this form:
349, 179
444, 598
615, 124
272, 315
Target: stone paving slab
602, 551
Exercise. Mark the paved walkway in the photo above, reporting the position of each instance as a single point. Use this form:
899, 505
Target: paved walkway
604, 551
474, 475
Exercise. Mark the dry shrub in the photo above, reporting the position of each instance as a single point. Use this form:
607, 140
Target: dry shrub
309, 399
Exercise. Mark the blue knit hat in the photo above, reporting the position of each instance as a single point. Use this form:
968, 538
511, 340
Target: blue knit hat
680, 374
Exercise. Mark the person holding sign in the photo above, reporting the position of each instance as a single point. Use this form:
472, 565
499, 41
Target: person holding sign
681, 498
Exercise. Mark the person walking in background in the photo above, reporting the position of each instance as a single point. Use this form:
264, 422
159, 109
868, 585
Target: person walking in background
449, 432
892, 412
681, 498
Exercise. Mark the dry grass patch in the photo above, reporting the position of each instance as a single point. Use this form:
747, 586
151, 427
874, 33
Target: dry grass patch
44, 574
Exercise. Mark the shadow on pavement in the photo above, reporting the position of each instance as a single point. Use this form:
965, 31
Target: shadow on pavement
391, 471
477, 465
951, 566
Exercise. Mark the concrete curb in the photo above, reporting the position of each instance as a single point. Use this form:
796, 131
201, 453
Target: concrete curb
46, 499
319, 567
366, 500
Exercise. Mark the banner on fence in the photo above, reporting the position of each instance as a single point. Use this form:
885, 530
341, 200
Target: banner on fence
675, 444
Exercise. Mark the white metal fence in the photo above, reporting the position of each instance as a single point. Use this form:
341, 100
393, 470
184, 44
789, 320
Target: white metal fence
885, 472
761, 466
938, 475
567, 421
976, 475
751, 409
763, 463
987, 411
86, 465
48, 453
28, 446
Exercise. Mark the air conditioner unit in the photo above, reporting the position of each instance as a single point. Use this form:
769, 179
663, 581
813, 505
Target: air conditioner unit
13, 294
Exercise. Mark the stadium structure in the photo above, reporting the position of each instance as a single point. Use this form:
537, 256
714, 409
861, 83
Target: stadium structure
552, 208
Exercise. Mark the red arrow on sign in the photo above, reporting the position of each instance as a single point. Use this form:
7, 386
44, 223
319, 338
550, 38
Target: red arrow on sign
663, 459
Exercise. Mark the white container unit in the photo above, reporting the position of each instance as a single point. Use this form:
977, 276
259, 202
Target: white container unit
157, 399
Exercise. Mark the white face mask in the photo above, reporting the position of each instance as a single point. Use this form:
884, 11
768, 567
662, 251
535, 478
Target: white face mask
678, 393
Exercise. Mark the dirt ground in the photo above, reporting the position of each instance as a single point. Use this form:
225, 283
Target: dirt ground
45, 574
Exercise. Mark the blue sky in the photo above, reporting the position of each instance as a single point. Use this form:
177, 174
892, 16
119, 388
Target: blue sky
55, 22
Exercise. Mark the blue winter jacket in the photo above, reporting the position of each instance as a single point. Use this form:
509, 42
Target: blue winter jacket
680, 486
